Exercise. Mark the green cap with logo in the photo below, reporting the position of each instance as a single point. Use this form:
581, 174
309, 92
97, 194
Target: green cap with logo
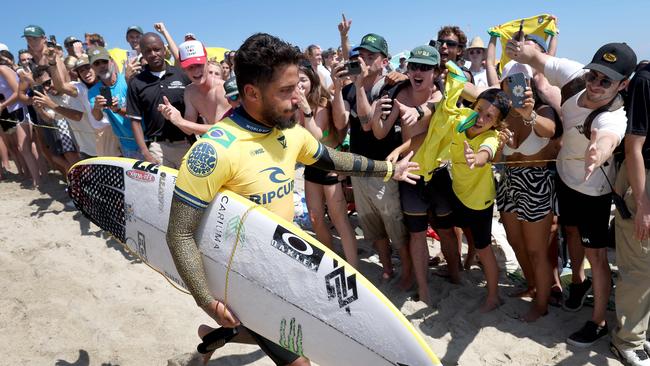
373, 43
98, 53
33, 31
230, 86
426, 55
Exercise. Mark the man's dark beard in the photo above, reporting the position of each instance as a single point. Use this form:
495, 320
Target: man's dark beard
281, 122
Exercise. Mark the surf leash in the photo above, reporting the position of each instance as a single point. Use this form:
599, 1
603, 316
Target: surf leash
240, 226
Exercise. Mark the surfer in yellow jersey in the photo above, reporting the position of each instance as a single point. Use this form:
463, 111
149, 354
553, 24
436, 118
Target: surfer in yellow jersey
267, 78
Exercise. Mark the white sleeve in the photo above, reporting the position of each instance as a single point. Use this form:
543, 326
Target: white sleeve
615, 122
82, 97
560, 71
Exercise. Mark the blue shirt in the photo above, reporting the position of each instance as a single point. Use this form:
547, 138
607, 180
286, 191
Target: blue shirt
120, 124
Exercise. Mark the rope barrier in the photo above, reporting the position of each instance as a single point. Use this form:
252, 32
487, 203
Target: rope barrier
59, 129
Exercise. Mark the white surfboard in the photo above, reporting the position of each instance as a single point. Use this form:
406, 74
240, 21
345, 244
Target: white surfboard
278, 280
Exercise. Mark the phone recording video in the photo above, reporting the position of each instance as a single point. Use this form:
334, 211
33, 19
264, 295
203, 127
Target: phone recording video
105, 92
353, 67
516, 89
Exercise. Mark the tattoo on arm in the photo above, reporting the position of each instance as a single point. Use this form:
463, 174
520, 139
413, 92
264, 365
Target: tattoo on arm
350, 164
364, 119
183, 221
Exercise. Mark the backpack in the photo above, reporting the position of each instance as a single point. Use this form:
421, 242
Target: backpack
577, 85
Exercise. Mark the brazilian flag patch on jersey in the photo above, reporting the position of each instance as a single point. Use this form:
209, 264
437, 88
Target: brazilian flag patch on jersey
221, 136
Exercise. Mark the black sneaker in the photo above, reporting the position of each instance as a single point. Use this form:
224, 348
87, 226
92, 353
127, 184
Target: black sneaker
587, 335
577, 295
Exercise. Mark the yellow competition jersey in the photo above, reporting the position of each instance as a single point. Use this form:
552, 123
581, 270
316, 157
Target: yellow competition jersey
249, 159
436, 144
541, 25
473, 187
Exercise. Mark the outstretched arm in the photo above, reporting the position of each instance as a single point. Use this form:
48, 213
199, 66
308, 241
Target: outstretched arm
357, 165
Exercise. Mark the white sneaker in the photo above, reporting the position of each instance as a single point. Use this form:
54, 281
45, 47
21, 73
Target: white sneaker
646, 347
638, 357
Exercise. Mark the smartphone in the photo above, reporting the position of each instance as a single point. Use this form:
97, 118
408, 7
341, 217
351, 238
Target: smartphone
39, 88
353, 67
517, 88
521, 31
105, 92
131, 54
387, 108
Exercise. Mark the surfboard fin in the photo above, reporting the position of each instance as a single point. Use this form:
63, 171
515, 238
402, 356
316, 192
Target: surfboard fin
216, 339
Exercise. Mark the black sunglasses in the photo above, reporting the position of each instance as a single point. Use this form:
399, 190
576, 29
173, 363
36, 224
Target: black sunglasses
419, 67
449, 42
605, 82
47, 83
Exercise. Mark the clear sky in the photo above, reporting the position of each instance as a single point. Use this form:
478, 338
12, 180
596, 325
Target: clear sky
584, 25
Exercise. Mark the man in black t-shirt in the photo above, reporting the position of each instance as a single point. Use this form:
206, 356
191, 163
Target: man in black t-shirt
159, 140
377, 202
633, 233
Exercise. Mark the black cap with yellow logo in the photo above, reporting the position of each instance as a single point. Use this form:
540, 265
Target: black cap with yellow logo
616, 60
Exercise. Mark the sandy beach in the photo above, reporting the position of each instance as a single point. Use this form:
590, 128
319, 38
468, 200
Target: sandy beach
73, 296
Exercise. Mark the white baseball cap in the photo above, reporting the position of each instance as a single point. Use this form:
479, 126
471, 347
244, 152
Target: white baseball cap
514, 67
3, 47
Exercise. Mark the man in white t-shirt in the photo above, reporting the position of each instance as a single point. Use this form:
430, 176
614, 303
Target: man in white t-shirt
584, 193
315, 56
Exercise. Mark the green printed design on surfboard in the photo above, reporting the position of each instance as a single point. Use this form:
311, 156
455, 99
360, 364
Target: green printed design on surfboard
292, 341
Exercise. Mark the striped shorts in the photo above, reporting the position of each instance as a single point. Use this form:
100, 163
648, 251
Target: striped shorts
527, 191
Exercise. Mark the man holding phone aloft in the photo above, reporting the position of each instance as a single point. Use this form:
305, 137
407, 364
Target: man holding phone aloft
377, 202
108, 98
584, 194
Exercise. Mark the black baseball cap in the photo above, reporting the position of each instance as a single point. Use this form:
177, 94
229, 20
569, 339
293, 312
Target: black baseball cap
70, 40
616, 60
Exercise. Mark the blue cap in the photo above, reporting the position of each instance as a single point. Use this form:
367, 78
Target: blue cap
354, 53
539, 40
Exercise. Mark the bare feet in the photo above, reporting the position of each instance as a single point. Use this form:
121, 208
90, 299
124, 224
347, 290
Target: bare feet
406, 283
533, 314
490, 304
387, 276
529, 292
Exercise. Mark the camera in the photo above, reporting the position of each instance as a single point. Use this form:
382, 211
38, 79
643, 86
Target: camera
353, 67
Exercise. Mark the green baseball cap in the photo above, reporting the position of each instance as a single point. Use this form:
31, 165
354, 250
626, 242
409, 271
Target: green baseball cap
33, 31
230, 86
374, 43
134, 28
98, 53
426, 55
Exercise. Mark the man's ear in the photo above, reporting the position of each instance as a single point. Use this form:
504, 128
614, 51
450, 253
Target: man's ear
623, 84
251, 92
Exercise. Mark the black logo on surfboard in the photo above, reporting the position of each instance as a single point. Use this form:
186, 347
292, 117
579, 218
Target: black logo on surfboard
341, 287
297, 248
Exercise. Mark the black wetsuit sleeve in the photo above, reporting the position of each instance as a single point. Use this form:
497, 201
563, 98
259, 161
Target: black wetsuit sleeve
351, 164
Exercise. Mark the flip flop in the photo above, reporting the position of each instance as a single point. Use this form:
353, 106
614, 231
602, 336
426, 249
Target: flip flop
216, 339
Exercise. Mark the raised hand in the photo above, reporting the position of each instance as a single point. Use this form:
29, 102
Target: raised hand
169, 111
159, 27
344, 26
470, 155
403, 170
529, 105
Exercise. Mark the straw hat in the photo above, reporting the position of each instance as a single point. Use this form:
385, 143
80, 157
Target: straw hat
477, 42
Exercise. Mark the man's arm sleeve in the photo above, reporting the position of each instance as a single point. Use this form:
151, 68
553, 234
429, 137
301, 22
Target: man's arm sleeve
560, 71
638, 106
133, 103
183, 222
351, 164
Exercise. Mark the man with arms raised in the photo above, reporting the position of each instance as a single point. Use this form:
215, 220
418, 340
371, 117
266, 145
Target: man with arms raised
204, 97
583, 188
267, 77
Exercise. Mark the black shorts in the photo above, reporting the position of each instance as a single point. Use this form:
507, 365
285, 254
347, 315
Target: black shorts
478, 222
18, 115
415, 205
278, 354
589, 213
441, 199
319, 176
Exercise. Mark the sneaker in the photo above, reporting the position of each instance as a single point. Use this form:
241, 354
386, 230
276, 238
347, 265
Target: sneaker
631, 357
577, 295
587, 335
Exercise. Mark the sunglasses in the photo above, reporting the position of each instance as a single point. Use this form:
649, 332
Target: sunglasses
234, 98
47, 83
477, 51
448, 42
605, 82
419, 67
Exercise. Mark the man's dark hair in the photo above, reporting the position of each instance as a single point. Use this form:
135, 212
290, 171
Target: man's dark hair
259, 57
39, 71
497, 98
455, 30
95, 39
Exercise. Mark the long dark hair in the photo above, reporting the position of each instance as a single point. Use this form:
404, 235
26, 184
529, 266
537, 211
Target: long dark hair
317, 95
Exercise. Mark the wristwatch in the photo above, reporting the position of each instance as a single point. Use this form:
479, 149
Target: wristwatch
420, 112
310, 114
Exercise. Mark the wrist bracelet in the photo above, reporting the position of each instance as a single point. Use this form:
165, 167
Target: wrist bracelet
389, 171
532, 120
